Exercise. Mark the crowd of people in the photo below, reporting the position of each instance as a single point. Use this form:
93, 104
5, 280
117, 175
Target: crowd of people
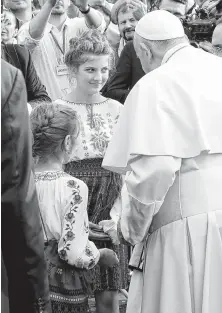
111, 155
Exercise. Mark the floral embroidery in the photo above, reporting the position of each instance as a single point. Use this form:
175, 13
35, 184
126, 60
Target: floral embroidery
90, 254
72, 184
80, 262
86, 227
98, 120
96, 123
70, 219
99, 141
116, 119
91, 263
88, 251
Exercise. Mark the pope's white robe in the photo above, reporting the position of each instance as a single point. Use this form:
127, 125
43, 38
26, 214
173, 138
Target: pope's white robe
168, 141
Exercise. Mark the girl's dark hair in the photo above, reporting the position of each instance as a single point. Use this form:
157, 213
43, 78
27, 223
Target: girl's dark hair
50, 124
90, 42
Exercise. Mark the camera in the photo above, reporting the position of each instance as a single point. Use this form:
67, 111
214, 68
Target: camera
199, 30
200, 25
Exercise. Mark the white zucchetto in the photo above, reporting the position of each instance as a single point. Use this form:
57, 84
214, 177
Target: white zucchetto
159, 25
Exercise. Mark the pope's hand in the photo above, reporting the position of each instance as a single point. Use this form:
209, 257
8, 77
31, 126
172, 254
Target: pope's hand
82, 5
108, 258
110, 228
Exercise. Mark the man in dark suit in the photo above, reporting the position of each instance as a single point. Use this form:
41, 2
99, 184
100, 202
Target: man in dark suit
128, 69
20, 57
128, 72
22, 236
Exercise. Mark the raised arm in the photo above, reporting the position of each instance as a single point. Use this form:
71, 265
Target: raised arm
35, 89
39, 22
93, 17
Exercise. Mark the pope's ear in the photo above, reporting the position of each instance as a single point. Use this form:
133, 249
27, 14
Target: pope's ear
145, 50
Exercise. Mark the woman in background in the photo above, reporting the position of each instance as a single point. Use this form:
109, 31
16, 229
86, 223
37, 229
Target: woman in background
9, 28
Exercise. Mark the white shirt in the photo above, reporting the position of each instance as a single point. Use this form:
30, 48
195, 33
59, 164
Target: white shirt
46, 55
96, 127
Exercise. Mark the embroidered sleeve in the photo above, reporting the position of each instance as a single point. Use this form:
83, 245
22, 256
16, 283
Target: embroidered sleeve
74, 246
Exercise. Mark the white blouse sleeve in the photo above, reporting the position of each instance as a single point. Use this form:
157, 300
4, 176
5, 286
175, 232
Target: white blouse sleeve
74, 246
147, 184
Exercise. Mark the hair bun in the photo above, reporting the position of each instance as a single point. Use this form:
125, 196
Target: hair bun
88, 42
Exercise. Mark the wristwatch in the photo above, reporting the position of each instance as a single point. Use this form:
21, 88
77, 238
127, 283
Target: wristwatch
85, 12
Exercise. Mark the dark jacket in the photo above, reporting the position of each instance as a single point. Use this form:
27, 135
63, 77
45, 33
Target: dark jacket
20, 57
22, 236
128, 72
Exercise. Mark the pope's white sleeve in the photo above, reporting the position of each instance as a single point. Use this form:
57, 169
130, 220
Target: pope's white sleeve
147, 184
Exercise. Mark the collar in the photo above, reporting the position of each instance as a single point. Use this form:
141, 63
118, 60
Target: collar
66, 22
172, 51
122, 44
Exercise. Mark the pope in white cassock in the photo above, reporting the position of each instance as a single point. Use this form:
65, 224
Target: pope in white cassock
168, 141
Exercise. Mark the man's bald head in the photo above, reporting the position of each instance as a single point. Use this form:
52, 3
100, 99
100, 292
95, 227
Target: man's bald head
217, 34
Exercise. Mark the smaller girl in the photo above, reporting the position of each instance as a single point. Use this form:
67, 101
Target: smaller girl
63, 208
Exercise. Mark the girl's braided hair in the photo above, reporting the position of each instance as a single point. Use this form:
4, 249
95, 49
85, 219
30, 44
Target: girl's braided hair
50, 124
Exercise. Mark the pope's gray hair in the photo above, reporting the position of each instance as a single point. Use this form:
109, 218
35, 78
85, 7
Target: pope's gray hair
165, 44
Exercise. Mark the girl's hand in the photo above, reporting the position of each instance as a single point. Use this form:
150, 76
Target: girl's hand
95, 226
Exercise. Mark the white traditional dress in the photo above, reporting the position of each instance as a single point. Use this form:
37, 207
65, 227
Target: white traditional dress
168, 141
63, 206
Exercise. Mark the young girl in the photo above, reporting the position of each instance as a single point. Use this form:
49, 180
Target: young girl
88, 62
63, 206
